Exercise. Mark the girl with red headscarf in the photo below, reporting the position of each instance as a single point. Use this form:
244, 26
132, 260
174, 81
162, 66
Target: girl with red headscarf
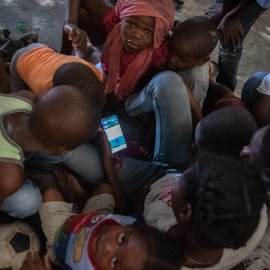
134, 45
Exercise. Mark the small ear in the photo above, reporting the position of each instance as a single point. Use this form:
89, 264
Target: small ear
204, 60
185, 213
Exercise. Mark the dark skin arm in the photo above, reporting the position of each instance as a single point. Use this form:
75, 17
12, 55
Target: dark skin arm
121, 204
11, 179
27, 94
4, 78
196, 112
227, 17
73, 9
35, 261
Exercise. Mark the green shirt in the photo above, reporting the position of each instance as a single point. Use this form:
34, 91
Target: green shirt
10, 151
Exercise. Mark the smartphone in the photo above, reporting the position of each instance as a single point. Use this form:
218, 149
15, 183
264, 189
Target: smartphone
114, 133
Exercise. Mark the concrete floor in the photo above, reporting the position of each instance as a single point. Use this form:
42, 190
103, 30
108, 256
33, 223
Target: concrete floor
45, 17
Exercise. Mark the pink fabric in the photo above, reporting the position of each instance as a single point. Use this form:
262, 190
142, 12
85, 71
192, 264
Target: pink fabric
163, 11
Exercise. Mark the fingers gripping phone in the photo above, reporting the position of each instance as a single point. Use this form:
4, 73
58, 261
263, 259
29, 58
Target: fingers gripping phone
114, 133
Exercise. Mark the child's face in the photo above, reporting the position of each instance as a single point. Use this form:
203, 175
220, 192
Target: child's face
119, 247
137, 33
181, 56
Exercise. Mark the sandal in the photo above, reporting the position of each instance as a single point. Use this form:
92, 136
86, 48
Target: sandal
178, 4
8, 50
4, 36
28, 36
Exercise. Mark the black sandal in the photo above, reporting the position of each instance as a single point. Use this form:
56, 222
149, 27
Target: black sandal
4, 36
10, 47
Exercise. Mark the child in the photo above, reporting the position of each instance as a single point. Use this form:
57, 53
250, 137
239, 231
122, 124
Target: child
190, 46
39, 68
97, 238
60, 121
134, 44
225, 131
218, 205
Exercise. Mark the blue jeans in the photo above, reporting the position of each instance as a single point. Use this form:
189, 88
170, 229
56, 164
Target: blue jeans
229, 61
25, 202
165, 94
249, 92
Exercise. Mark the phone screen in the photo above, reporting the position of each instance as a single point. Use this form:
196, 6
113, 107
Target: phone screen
114, 133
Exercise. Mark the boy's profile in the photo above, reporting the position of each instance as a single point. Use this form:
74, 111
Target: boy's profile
58, 122
190, 47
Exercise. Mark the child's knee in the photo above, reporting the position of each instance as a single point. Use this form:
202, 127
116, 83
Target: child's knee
25, 202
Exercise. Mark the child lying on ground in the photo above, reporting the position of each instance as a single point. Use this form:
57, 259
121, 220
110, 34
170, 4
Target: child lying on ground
39, 68
97, 238
134, 37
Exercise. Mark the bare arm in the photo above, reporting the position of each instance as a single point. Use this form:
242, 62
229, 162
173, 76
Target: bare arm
4, 78
97, 8
227, 18
26, 94
34, 261
11, 179
121, 204
196, 112
219, 90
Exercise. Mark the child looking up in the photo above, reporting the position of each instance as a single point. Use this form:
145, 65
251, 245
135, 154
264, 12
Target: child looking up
97, 238
134, 44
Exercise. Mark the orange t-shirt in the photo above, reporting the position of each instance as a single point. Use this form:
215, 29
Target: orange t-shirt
37, 67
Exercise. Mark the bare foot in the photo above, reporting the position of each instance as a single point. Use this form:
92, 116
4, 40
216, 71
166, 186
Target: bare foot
71, 189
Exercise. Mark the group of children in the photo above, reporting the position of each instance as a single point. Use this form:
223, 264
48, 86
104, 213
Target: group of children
194, 204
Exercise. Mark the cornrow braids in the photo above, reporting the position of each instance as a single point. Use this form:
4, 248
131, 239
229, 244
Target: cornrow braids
226, 197
265, 156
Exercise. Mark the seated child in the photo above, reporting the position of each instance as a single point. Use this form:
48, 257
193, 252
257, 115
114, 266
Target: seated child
97, 238
255, 94
59, 121
225, 131
134, 37
218, 205
190, 46
206, 209
39, 68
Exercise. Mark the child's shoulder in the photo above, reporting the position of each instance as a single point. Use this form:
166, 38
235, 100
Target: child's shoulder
110, 20
159, 56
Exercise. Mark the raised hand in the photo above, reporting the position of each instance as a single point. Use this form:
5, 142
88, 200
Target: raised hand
77, 36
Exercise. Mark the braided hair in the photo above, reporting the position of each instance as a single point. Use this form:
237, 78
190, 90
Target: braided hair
226, 197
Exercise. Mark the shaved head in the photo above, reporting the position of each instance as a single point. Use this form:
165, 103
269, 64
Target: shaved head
64, 117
